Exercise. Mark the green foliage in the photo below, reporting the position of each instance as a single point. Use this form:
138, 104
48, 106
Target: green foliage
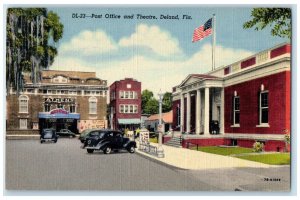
146, 96
151, 106
258, 147
167, 102
31, 37
287, 138
277, 18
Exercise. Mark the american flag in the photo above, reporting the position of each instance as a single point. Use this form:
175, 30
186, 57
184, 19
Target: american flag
202, 31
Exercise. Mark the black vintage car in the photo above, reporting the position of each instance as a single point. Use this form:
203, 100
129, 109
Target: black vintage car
107, 141
66, 132
48, 134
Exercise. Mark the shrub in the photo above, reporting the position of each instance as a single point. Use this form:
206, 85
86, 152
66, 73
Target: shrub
258, 147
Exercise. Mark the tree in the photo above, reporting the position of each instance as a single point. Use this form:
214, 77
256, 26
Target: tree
146, 96
262, 17
31, 37
151, 106
167, 102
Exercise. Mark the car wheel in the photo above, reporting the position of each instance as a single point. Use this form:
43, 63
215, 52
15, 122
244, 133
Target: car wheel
42, 141
107, 150
131, 149
90, 150
55, 141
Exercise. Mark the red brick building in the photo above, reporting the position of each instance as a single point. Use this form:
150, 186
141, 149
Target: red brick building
125, 104
246, 101
62, 99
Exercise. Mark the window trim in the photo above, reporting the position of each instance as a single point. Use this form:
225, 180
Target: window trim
128, 107
260, 110
23, 127
92, 100
23, 97
234, 124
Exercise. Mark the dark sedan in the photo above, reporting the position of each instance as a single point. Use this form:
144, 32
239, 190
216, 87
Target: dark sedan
66, 132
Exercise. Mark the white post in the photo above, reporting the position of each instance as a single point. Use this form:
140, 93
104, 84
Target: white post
160, 150
182, 113
188, 113
222, 112
198, 107
206, 111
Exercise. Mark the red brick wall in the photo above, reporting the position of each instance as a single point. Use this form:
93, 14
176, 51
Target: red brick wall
278, 87
248, 63
121, 85
281, 50
204, 142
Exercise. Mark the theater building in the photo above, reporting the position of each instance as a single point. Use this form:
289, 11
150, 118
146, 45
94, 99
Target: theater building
238, 104
62, 99
125, 104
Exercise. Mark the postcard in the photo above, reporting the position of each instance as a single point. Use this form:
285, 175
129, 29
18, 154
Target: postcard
148, 98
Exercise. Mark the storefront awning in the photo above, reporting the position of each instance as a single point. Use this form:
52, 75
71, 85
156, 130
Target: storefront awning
59, 116
129, 121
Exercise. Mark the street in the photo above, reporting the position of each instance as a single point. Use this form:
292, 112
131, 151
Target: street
65, 166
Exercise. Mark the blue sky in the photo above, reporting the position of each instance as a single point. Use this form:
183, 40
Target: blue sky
159, 53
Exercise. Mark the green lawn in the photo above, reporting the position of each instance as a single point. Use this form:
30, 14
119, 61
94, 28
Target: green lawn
224, 150
271, 159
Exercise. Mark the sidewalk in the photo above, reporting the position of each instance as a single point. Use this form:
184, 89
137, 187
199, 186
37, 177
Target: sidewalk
196, 160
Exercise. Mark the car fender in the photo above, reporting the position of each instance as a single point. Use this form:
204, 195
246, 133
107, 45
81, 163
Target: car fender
103, 145
129, 143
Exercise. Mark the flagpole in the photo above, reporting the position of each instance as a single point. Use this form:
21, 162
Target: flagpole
213, 41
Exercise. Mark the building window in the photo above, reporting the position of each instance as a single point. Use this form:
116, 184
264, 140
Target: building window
60, 106
128, 108
121, 94
135, 109
93, 105
131, 95
126, 95
23, 123
72, 109
121, 108
47, 108
236, 110
23, 104
264, 107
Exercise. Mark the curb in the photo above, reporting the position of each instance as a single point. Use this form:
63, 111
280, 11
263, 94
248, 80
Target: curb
160, 162
22, 137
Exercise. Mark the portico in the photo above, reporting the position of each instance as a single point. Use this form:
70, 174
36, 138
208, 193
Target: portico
201, 102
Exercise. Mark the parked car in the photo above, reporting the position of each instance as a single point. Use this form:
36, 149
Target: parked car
48, 134
85, 134
66, 132
108, 141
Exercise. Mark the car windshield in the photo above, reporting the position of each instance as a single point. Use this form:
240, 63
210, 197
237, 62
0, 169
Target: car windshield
86, 131
101, 135
47, 131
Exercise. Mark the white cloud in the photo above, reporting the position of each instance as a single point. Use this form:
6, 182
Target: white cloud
89, 43
154, 74
159, 41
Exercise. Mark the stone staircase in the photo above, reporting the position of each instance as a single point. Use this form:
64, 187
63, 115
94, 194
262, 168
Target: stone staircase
175, 142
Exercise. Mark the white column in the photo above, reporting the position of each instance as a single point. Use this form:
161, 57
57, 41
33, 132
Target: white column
181, 112
222, 112
188, 112
198, 107
206, 112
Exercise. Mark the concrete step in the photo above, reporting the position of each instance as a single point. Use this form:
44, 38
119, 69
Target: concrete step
175, 142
